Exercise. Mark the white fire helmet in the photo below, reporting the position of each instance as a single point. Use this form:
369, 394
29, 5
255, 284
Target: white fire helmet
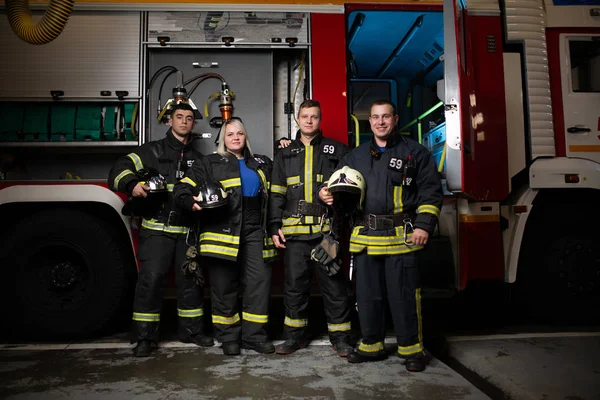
348, 188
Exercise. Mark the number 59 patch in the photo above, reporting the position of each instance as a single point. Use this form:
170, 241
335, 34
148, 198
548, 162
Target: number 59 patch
329, 149
395, 164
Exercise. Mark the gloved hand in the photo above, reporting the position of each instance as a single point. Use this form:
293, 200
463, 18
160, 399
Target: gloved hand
326, 254
191, 266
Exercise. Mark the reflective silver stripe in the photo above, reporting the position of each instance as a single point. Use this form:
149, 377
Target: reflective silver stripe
258, 318
197, 312
219, 319
158, 226
229, 183
278, 189
292, 180
339, 327
308, 171
217, 237
137, 161
370, 348
428, 208
410, 350
188, 181
295, 323
144, 317
214, 249
120, 176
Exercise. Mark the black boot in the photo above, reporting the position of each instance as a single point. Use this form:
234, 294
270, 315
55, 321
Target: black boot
143, 348
260, 347
290, 346
356, 357
231, 348
415, 364
199, 339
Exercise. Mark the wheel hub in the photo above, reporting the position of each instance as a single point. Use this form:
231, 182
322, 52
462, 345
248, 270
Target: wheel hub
63, 275
577, 264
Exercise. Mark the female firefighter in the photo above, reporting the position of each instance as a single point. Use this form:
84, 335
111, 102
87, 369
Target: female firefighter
233, 239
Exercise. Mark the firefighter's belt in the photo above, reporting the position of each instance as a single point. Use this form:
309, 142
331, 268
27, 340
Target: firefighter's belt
172, 218
385, 222
304, 208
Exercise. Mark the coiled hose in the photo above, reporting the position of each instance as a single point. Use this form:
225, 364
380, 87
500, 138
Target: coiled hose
46, 30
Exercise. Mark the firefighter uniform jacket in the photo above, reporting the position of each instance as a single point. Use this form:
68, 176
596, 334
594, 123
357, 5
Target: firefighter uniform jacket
298, 174
171, 158
220, 227
401, 179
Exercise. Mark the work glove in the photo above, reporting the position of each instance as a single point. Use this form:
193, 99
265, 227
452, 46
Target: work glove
191, 266
326, 254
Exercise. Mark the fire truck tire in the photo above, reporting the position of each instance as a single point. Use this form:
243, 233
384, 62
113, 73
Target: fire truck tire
558, 278
70, 275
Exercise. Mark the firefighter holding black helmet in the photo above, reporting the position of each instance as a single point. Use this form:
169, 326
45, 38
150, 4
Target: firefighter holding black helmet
400, 210
231, 203
148, 175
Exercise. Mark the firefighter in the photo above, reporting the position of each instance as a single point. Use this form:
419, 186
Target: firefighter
163, 233
233, 240
296, 223
400, 210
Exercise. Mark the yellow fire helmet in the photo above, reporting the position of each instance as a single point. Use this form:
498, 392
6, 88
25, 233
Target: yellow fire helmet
348, 188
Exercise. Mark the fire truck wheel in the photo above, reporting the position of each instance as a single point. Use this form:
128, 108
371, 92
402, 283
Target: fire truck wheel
558, 278
70, 275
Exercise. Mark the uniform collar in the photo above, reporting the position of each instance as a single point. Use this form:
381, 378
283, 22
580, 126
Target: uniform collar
315, 141
174, 143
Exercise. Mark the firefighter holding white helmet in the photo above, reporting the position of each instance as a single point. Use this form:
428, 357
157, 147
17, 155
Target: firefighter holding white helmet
148, 175
402, 201
296, 223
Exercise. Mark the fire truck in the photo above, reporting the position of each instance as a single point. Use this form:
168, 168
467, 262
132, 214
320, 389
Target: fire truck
505, 94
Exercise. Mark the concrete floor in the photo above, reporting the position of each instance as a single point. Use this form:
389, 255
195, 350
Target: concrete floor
564, 365
188, 372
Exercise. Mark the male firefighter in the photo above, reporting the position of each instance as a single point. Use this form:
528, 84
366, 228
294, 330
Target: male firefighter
400, 210
296, 224
163, 231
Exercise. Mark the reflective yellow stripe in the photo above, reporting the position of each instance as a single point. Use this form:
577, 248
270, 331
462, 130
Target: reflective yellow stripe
398, 205
219, 237
263, 179
120, 176
308, 171
370, 348
320, 178
410, 350
384, 250
170, 187
269, 253
278, 189
303, 229
229, 183
137, 161
419, 319
295, 323
214, 249
197, 312
188, 181
339, 327
143, 317
158, 226
359, 238
258, 318
219, 319
428, 208
292, 180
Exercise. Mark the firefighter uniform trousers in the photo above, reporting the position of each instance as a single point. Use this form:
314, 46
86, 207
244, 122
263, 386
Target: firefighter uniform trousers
298, 275
378, 278
249, 272
157, 252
